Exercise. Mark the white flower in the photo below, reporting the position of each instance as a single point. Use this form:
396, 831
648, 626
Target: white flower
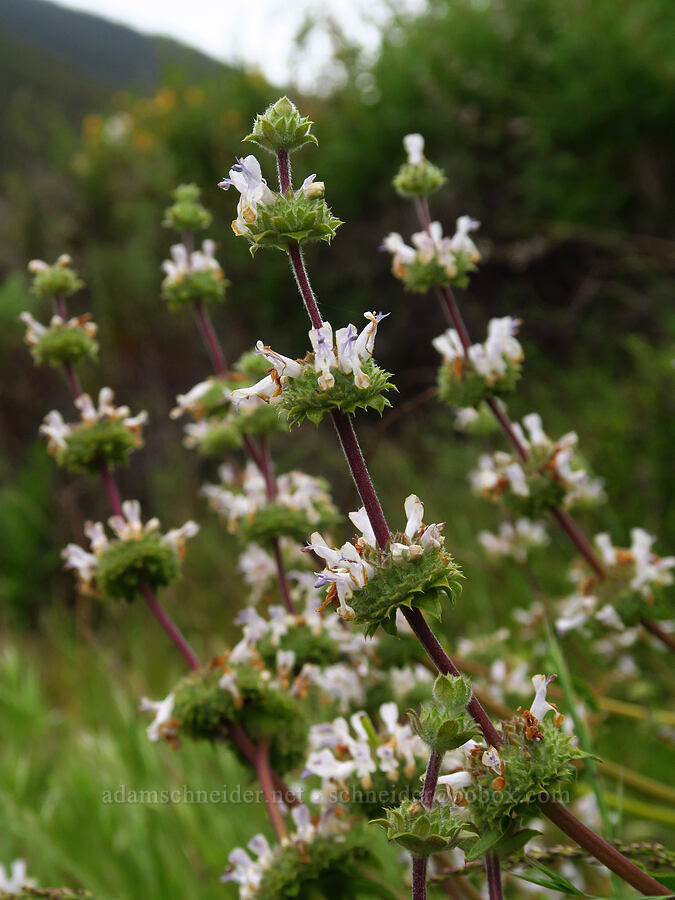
414, 147
456, 781
246, 176
13, 881
192, 401
324, 355
514, 540
85, 564
258, 569
540, 705
305, 831
492, 760
461, 242
362, 522
244, 872
261, 392
56, 430
177, 537
414, 510
402, 254
283, 365
163, 725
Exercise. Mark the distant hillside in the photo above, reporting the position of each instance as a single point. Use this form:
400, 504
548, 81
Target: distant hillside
114, 55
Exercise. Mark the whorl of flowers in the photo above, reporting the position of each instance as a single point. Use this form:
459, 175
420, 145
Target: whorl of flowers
192, 276
434, 260
417, 177
320, 854
105, 433
352, 756
62, 340
637, 584
368, 584
338, 374
485, 370
301, 503
553, 475
59, 280
137, 554
268, 219
514, 539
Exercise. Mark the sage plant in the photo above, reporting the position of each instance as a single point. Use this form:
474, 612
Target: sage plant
335, 641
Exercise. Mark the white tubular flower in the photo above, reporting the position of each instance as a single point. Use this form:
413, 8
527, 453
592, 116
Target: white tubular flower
449, 345
244, 872
456, 781
324, 764
162, 726
461, 242
348, 358
262, 391
35, 330
204, 260
414, 510
492, 760
97, 537
414, 147
344, 587
283, 365
85, 564
177, 537
537, 435
258, 568
607, 551
402, 254
362, 522
15, 880
540, 705
129, 526
514, 540
324, 355
365, 343
260, 846
35, 266
246, 176
649, 568
313, 190
318, 545
176, 268
192, 401
516, 476
574, 612
56, 431
304, 830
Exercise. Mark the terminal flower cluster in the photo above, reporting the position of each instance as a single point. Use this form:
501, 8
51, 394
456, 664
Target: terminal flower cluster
484, 370
62, 340
514, 539
553, 475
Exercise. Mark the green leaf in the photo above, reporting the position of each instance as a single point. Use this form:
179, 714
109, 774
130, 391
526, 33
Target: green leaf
512, 844
483, 844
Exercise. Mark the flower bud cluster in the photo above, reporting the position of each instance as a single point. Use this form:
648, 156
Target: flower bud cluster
317, 853
106, 433
281, 127
412, 571
187, 212
434, 260
54, 282
466, 378
192, 276
300, 504
62, 340
553, 475
637, 584
337, 375
444, 724
514, 540
236, 688
423, 832
137, 555
268, 219
417, 177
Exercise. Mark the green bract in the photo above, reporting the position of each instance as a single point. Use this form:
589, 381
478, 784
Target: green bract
220, 437
303, 398
55, 281
463, 386
632, 607
420, 276
187, 213
281, 127
60, 345
445, 724
204, 711
260, 421
195, 287
253, 365
104, 441
531, 768
127, 564
424, 583
423, 831
291, 220
275, 520
327, 866
418, 179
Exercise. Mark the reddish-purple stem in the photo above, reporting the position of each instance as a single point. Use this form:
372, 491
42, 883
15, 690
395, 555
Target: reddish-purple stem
110, 488
284, 170
431, 778
264, 771
210, 339
171, 629
494, 877
419, 878
271, 492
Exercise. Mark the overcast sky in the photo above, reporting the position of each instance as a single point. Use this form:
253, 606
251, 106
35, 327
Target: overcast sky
258, 33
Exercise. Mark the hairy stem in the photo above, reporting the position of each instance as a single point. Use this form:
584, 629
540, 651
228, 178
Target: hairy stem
494, 877
209, 337
600, 849
168, 625
431, 778
267, 784
419, 878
